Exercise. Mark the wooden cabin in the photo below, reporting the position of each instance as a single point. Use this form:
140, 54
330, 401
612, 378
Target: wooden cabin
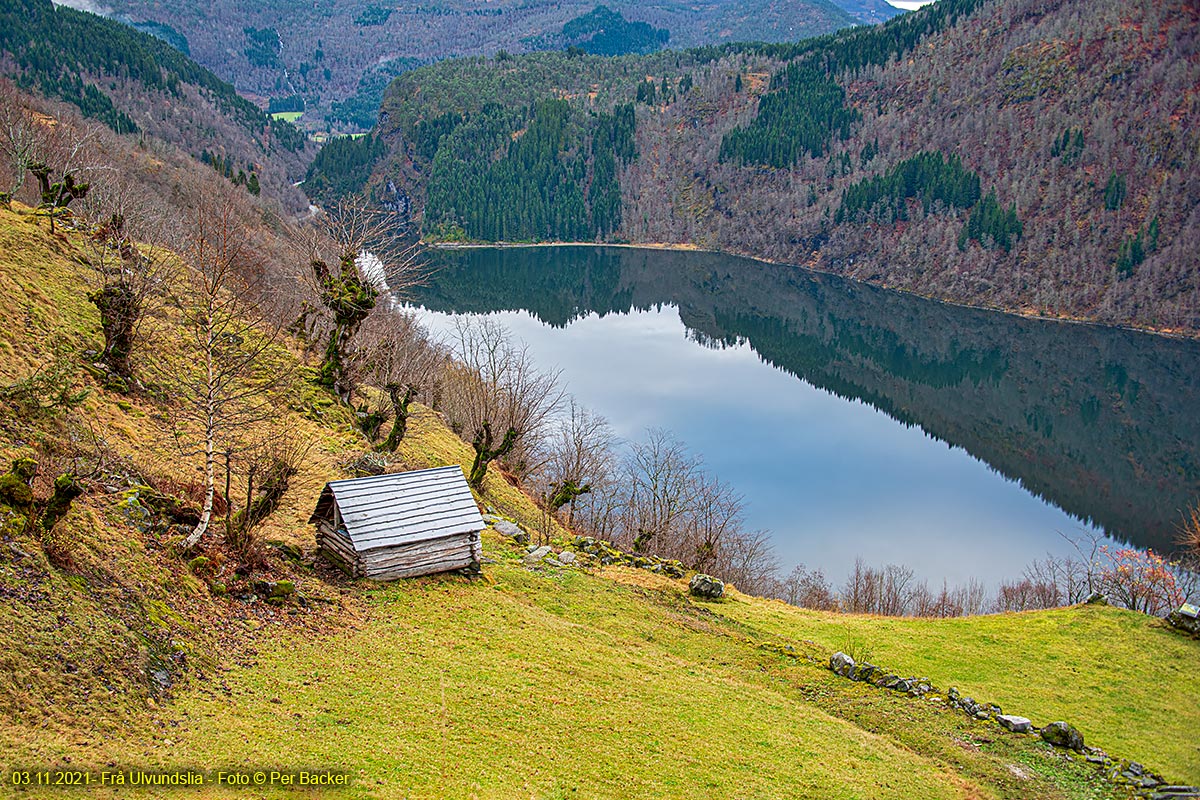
400, 525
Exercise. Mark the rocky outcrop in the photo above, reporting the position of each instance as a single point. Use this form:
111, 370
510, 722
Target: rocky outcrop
605, 554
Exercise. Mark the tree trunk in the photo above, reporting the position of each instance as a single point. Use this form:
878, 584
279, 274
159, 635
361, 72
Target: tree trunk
119, 313
400, 404
210, 438
485, 455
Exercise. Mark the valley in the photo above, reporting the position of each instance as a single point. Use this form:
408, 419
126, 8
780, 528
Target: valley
796, 474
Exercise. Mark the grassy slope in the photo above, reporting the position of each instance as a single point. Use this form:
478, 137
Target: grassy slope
529, 684
1103, 669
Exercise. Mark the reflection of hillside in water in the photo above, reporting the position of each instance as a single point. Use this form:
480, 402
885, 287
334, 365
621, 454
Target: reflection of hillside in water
1103, 423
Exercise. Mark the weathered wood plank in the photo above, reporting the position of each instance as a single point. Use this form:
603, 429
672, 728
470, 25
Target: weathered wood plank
337, 545
421, 569
350, 567
416, 558
415, 553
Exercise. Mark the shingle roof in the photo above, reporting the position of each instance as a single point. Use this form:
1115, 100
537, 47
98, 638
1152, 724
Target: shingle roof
401, 507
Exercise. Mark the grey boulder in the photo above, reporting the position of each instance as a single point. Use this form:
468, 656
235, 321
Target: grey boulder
706, 587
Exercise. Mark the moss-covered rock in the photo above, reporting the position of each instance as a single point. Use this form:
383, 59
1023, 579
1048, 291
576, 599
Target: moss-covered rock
15, 490
1060, 734
175, 509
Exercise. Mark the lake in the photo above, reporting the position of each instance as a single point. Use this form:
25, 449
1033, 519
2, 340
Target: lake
858, 421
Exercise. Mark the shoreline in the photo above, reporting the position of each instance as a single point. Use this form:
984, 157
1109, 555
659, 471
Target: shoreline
1168, 333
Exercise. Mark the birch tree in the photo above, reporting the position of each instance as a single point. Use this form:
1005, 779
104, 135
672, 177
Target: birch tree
224, 381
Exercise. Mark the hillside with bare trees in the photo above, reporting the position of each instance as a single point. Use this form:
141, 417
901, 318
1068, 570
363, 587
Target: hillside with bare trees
331, 57
1036, 157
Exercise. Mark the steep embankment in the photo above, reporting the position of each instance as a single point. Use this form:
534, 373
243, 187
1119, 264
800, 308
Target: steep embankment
1030, 156
549, 682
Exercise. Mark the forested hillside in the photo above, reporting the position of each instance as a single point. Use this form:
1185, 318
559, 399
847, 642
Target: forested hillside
1034, 156
337, 52
135, 83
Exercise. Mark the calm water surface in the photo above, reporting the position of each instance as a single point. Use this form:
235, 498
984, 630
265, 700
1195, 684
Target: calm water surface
857, 421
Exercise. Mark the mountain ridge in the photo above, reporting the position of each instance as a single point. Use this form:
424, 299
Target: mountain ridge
1073, 119
326, 57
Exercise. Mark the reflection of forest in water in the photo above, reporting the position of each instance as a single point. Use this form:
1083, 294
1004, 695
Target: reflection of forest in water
1103, 423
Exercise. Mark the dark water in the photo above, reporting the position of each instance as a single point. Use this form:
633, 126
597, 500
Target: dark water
858, 421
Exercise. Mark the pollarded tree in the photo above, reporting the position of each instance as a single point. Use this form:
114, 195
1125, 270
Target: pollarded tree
355, 255
397, 357
661, 478
494, 386
62, 160
579, 459
269, 466
125, 270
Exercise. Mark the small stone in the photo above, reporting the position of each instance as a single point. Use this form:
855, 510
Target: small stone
1096, 599
566, 557
1014, 723
537, 554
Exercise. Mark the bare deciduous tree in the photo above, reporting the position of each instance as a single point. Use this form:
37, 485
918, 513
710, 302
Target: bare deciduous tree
748, 561
397, 357
660, 477
354, 255
808, 589
62, 159
20, 138
227, 376
579, 457
269, 466
126, 262
1189, 531
495, 387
